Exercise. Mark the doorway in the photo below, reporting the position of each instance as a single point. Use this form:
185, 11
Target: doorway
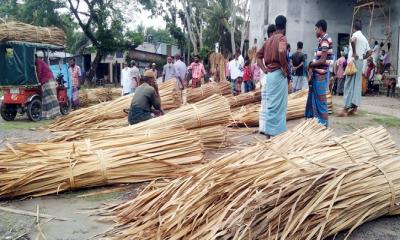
343, 41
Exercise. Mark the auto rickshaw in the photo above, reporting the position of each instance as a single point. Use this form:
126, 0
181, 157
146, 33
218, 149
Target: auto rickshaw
22, 92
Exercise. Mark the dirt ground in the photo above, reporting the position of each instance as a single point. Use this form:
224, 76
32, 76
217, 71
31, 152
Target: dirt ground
82, 224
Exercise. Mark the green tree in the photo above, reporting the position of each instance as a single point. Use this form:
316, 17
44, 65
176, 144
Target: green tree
160, 35
102, 24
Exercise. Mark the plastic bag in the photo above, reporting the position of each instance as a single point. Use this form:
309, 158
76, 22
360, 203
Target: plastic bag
351, 68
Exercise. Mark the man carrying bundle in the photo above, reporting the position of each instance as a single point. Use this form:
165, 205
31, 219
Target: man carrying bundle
145, 101
272, 59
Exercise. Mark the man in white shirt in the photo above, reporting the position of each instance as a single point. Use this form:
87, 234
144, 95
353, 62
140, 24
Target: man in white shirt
168, 70
135, 76
180, 70
126, 79
375, 52
359, 50
236, 72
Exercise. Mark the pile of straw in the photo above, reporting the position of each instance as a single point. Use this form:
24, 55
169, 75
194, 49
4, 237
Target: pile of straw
111, 114
44, 168
295, 186
171, 96
212, 111
207, 90
89, 97
249, 115
244, 99
17, 31
217, 62
214, 137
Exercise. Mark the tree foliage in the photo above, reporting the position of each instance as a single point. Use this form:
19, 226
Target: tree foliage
205, 22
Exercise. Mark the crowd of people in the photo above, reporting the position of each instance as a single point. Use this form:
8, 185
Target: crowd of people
275, 69
373, 69
282, 70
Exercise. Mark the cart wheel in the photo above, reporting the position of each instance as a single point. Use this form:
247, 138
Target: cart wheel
8, 112
34, 110
64, 108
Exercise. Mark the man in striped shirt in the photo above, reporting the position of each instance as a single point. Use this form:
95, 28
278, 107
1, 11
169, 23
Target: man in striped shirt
318, 75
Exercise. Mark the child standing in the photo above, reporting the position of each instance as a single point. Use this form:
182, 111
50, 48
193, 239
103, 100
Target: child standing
248, 86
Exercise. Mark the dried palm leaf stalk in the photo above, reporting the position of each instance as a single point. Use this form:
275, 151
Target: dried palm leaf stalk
212, 111
249, 115
231, 198
306, 133
197, 94
244, 99
217, 62
36, 169
214, 137
89, 97
102, 115
17, 31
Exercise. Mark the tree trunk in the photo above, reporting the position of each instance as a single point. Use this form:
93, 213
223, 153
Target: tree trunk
189, 27
233, 45
233, 27
93, 68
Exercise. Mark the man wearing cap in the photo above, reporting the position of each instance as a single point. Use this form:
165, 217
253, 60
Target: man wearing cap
154, 69
145, 101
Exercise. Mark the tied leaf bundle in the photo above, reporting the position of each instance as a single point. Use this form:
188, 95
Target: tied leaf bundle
89, 97
197, 94
111, 114
37, 169
255, 192
244, 99
17, 31
212, 111
249, 115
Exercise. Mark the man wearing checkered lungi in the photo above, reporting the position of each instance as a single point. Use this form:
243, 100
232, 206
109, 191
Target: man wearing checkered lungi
50, 106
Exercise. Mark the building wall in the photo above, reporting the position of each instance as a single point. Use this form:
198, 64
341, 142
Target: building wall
161, 48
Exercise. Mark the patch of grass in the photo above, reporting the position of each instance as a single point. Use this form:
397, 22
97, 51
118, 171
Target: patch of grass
23, 124
387, 121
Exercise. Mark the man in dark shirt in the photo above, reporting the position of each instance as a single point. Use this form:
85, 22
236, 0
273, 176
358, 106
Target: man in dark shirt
272, 59
297, 60
144, 100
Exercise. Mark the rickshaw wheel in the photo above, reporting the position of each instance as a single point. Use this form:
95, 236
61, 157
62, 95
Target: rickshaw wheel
8, 112
64, 108
34, 110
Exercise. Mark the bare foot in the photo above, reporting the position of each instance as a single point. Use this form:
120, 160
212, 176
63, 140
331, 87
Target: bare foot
352, 112
343, 114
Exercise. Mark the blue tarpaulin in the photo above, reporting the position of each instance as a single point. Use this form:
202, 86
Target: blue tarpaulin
63, 69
